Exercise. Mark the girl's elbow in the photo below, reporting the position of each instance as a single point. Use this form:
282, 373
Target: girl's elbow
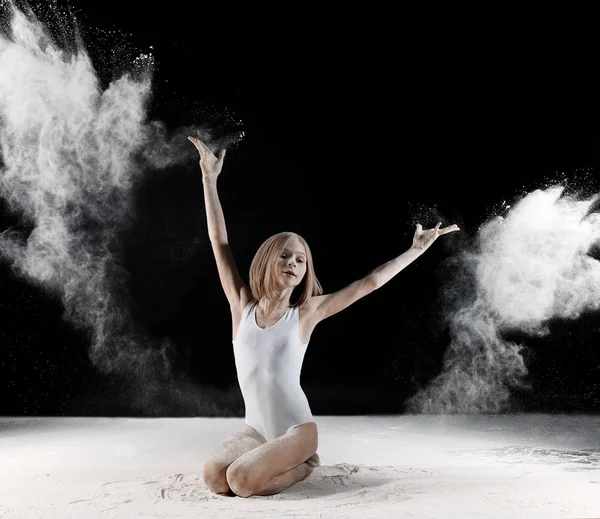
371, 283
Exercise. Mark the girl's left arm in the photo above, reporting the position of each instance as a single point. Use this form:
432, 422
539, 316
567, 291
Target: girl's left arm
422, 240
327, 305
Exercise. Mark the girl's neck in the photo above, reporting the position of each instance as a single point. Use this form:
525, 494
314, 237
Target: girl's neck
270, 306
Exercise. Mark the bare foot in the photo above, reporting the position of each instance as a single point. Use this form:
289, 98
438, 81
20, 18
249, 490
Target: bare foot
313, 461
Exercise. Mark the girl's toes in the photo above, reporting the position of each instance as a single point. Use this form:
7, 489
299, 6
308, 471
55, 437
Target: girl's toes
313, 461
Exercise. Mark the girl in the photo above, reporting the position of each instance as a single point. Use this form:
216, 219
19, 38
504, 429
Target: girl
272, 322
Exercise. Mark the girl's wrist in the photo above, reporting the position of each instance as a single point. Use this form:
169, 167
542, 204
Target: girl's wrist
416, 250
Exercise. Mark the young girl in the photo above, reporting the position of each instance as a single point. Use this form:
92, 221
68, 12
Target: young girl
272, 322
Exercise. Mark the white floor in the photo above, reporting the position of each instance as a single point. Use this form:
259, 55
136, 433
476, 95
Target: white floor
507, 466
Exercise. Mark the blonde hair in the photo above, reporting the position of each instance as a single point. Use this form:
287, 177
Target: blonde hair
263, 275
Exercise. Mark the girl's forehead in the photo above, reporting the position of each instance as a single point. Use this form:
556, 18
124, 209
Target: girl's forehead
295, 245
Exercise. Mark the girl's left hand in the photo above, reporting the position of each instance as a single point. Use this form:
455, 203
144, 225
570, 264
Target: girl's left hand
423, 239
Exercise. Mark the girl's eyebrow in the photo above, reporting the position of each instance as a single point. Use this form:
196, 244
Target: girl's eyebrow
297, 253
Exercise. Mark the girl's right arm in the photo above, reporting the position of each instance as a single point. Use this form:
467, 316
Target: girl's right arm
237, 292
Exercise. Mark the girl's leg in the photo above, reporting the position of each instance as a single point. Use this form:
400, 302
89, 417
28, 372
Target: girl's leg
229, 450
278, 483
276, 464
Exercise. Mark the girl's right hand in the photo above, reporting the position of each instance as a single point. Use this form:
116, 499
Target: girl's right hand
209, 164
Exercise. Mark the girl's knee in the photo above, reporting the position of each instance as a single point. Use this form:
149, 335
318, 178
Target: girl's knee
215, 477
240, 480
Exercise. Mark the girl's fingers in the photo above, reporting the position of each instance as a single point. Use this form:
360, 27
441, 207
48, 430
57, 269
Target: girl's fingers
451, 228
200, 146
194, 141
203, 147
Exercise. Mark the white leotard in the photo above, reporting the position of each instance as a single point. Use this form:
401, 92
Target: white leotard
268, 363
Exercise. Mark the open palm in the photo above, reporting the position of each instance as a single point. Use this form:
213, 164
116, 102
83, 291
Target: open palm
424, 238
209, 164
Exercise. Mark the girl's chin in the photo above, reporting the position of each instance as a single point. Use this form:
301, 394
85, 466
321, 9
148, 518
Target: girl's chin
283, 284
288, 285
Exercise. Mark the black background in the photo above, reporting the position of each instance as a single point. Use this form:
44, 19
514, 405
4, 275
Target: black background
357, 122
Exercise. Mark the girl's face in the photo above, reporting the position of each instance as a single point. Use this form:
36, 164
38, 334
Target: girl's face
291, 264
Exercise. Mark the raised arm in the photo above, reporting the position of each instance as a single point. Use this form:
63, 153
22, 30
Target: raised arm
327, 305
236, 291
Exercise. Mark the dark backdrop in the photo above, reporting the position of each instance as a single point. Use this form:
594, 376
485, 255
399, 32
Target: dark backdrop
357, 124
